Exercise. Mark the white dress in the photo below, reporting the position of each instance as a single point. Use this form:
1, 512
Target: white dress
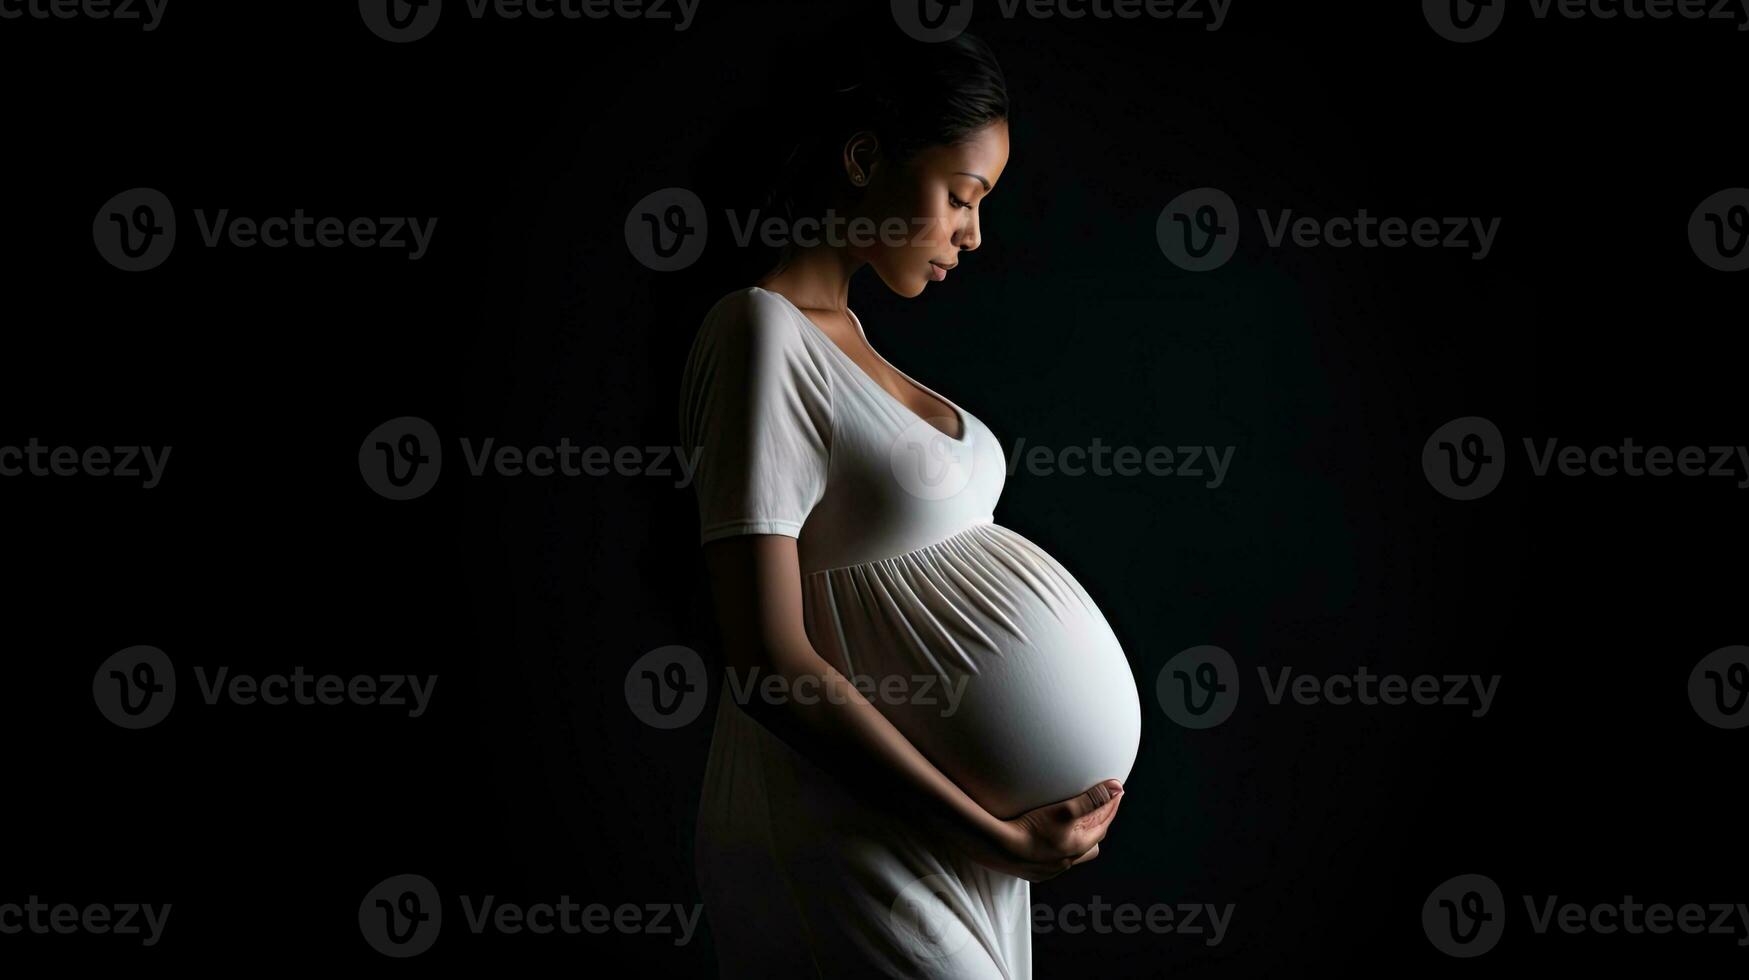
976, 644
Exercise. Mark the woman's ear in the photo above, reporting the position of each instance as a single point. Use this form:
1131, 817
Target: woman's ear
861, 152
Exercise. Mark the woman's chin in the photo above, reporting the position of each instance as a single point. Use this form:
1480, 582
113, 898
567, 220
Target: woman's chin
909, 287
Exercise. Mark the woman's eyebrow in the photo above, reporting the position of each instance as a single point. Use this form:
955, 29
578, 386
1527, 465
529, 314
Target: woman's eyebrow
979, 179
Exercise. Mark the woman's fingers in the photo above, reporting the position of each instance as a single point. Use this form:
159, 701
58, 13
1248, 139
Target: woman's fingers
1092, 853
1092, 829
1091, 801
1103, 815
1092, 810
1096, 822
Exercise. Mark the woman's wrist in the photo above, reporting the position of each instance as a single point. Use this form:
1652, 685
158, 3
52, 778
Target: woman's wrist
988, 839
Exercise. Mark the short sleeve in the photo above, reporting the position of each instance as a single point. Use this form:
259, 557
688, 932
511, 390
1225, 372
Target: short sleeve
756, 407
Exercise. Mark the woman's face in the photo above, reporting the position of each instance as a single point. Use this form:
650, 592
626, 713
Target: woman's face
936, 196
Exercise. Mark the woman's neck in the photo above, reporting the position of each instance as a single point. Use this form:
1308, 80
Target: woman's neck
816, 278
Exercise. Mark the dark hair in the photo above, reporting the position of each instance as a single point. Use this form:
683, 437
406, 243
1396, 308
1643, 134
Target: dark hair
911, 94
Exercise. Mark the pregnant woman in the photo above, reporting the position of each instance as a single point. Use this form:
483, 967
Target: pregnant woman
925, 712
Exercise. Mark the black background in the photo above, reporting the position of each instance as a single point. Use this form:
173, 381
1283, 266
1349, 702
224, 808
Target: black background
1591, 779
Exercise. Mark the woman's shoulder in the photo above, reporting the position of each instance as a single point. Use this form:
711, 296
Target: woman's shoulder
753, 316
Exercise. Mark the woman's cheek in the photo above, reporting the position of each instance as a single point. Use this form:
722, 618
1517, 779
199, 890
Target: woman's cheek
935, 232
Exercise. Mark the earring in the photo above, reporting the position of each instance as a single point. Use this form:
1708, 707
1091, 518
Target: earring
857, 180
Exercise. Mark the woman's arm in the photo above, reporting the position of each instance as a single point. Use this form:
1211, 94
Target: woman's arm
756, 583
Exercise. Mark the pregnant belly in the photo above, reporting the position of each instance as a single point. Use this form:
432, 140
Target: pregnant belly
991, 658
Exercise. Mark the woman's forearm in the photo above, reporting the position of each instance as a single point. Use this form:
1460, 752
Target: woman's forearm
844, 734
756, 584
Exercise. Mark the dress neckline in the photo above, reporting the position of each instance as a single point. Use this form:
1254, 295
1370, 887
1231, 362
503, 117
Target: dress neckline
960, 416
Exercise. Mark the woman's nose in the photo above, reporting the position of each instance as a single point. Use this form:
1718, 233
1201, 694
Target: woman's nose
969, 237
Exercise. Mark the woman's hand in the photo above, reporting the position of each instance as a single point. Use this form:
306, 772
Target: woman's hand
1040, 844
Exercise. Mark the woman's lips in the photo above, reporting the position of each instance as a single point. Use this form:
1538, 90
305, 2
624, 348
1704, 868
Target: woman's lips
937, 271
